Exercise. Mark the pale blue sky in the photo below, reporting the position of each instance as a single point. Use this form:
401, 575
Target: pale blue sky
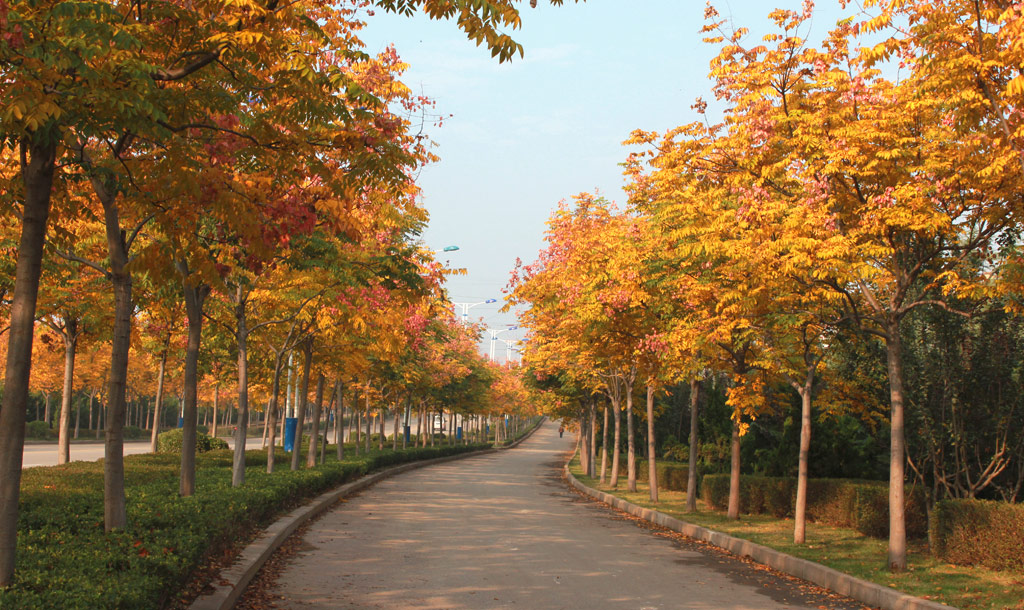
525, 135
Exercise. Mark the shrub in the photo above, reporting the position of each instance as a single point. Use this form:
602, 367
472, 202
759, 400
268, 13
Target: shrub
862, 505
39, 430
979, 532
671, 475
132, 432
170, 442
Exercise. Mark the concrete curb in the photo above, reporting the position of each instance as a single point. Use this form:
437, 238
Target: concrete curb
229, 585
869, 593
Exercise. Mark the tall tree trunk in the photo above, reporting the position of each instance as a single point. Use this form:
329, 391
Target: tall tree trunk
195, 295
114, 511
800, 510
339, 420
394, 430
302, 400
617, 412
37, 167
242, 429
64, 427
159, 403
652, 460
216, 397
691, 468
592, 449
604, 446
78, 415
897, 555
734, 473
275, 390
356, 422
314, 435
630, 441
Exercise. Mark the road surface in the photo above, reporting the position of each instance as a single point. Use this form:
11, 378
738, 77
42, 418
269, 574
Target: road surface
504, 531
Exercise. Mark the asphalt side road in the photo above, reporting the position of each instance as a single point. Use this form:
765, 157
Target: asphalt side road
504, 530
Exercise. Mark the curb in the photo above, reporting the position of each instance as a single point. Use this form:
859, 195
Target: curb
869, 593
232, 581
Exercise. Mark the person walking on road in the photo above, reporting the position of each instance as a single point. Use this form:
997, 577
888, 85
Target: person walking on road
561, 429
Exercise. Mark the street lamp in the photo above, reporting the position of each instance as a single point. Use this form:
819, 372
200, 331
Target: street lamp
466, 307
510, 345
494, 336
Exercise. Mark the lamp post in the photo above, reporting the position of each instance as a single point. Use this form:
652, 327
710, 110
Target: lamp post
494, 336
509, 348
466, 307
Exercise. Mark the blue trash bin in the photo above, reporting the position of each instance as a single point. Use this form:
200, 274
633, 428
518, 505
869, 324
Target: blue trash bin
290, 424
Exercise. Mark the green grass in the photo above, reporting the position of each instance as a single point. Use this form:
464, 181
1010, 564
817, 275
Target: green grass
846, 550
66, 560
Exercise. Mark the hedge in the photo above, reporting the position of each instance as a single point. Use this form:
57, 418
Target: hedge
170, 442
671, 475
66, 560
979, 532
861, 505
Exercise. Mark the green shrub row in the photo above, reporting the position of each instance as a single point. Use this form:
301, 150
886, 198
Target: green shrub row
66, 560
862, 505
979, 532
671, 475
170, 442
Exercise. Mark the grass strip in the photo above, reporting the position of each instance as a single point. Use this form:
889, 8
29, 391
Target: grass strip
66, 560
846, 550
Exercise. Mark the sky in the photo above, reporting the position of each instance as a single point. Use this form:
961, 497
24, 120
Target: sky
519, 137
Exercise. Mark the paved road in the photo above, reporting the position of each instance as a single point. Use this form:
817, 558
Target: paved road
504, 531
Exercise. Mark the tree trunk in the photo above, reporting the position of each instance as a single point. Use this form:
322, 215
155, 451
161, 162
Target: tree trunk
275, 389
64, 427
37, 177
339, 415
800, 510
630, 441
897, 555
242, 429
617, 412
114, 510
195, 295
652, 465
314, 436
604, 446
734, 473
394, 431
216, 397
592, 449
357, 421
303, 399
78, 416
158, 405
691, 468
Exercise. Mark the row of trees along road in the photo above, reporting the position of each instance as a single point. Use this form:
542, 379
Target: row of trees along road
845, 192
245, 162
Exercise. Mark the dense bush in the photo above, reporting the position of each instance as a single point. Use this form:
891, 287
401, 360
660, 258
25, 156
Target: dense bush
979, 532
65, 560
862, 505
671, 475
170, 442
132, 432
39, 430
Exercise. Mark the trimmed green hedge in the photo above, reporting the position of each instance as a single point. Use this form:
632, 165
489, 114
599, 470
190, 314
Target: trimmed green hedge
170, 442
862, 505
979, 532
671, 475
66, 560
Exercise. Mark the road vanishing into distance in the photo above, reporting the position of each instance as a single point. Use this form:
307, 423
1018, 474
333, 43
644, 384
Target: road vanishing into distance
503, 530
